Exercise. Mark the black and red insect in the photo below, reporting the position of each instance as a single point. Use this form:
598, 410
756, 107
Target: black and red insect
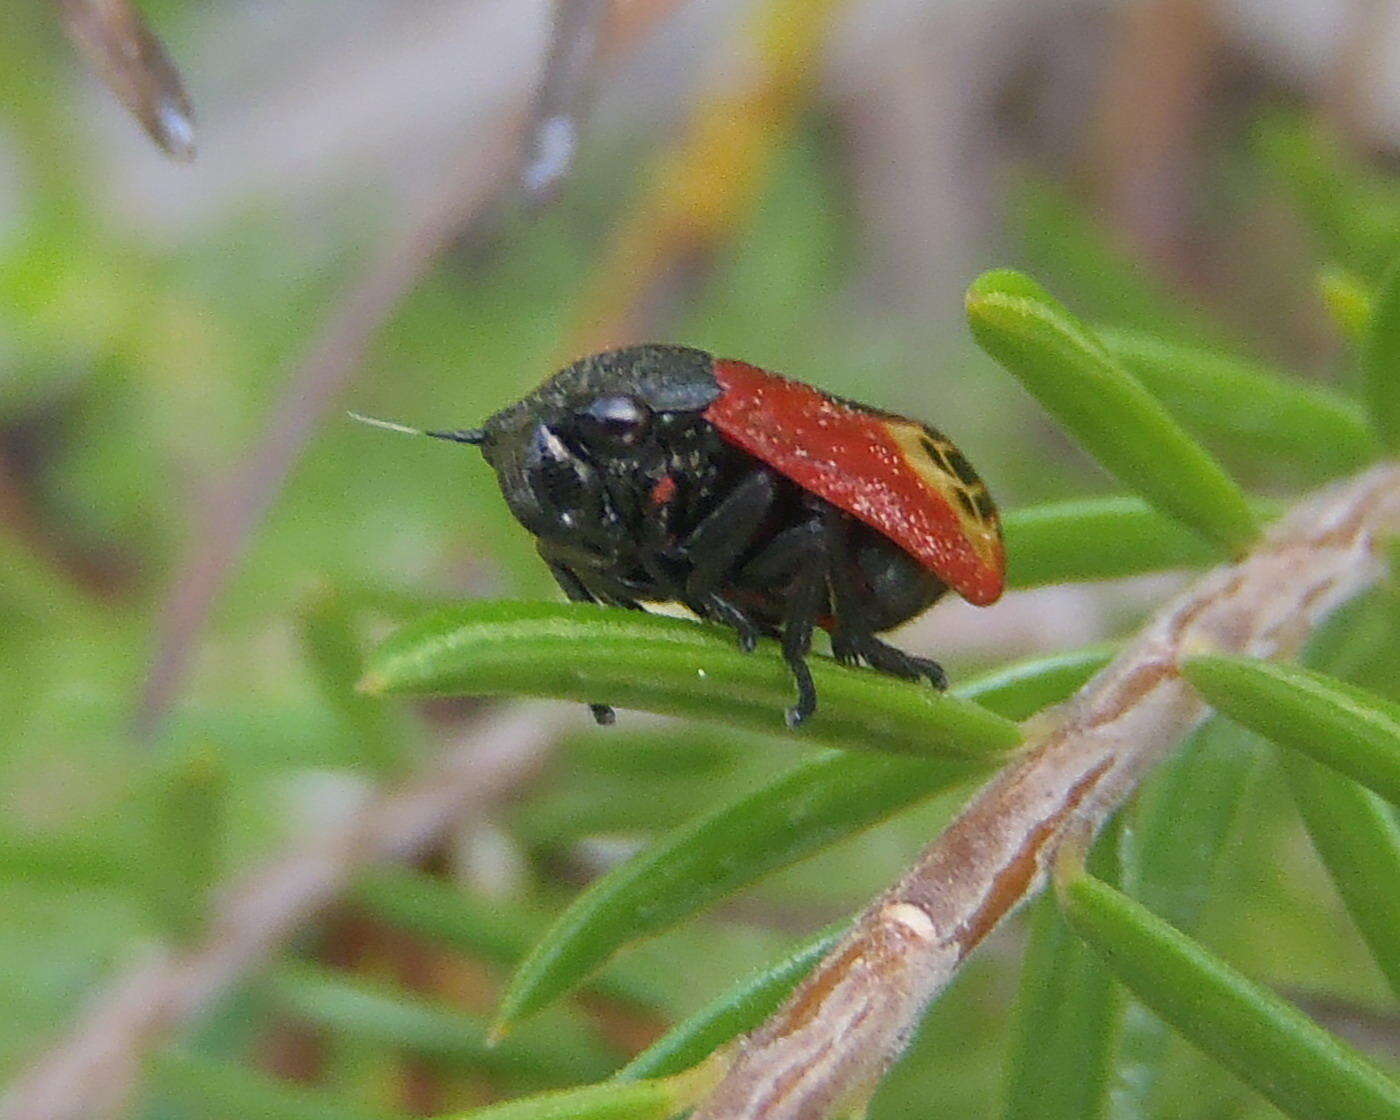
662, 474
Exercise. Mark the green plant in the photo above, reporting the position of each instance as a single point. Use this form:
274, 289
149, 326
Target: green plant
1088, 386
727, 807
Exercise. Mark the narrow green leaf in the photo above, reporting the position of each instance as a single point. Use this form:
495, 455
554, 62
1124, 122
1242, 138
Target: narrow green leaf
738, 1010
219, 1090
1339, 725
1096, 538
1170, 853
336, 659
811, 806
1380, 360
1019, 690
612, 1100
1117, 420
1354, 832
1358, 838
1066, 1014
1349, 299
684, 751
667, 665
1264, 1040
559, 1052
1246, 406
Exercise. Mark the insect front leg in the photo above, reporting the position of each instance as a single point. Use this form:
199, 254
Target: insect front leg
573, 588
797, 559
714, 547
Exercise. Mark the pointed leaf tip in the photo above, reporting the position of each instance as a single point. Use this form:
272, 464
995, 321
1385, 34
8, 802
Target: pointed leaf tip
1340, 725
1264, 1040
1108, 411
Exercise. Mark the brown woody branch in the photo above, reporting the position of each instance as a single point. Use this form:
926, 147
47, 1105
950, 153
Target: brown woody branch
125, 53
92, 1071
827, 1048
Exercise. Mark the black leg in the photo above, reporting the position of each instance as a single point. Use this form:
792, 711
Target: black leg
573, 587
884, 657
784, 555
852, 639
805, 603
716, 543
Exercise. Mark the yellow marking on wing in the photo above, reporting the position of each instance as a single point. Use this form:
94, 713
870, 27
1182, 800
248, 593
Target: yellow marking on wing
939, 463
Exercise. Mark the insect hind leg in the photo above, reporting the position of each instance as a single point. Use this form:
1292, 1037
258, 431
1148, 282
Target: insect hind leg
853, 639
887, 659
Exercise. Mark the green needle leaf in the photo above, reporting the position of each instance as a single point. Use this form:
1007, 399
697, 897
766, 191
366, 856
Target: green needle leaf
612, 1100
66, 860
1356, 833
1068, 1013
1246, 406
498, 931
637, 660
1106, 409
1065, 1016
1358, 838
1380, 360
802, 811
1268, 1043
1354, 210
184, 817
1337, 724
1019, 690
735, 1012
1172, 844
1096, 538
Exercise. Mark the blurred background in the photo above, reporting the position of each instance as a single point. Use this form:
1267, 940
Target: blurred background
196, 546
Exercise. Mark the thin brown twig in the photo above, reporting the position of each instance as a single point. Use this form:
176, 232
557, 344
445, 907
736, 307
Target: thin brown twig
126, 54
569, 69
93, 1070
826, 1049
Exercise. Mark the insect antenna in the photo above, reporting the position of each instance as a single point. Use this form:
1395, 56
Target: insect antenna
474, 436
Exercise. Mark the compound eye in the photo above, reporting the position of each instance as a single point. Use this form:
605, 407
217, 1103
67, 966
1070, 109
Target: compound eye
619, 419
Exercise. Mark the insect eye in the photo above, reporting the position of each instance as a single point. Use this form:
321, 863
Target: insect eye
620, 419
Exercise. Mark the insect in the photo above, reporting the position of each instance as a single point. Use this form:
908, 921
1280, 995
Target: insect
662, 474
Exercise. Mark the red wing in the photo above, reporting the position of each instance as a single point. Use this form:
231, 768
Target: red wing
898, 476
